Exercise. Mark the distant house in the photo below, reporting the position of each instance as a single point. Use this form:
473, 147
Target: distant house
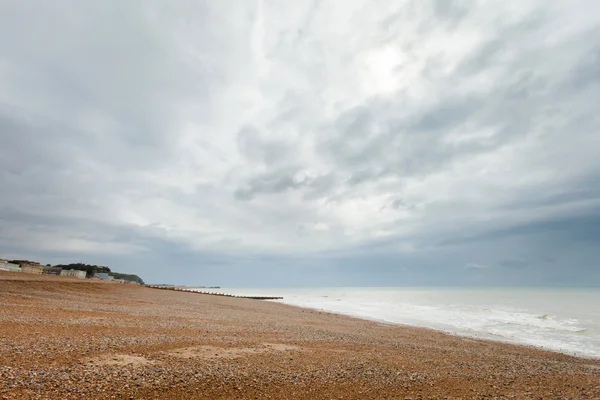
104, 276
73, 272
48, 270
7, 266
32, 268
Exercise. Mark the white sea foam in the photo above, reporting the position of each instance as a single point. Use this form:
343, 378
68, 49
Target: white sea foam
565, 320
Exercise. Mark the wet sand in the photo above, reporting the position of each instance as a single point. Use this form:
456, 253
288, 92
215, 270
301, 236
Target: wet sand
64, 338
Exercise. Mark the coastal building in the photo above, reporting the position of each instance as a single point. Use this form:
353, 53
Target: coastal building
104, 276
73, 272
10, 267
32, 268
48, 270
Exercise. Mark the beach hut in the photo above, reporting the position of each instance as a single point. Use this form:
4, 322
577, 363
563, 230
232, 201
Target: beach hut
73, 272
32, 268
104, 276
48, 270
10, 267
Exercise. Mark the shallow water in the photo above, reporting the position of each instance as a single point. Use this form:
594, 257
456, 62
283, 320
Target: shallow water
559, 319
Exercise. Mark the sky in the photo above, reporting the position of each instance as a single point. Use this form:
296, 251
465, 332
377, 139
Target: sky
307, 143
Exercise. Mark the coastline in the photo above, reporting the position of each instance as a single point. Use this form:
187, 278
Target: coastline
64, 338
475, 336
472, 333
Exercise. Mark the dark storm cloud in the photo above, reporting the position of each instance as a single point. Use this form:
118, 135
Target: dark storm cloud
584, 229
270, 182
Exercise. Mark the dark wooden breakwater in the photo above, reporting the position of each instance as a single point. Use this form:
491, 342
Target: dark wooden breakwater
177, 289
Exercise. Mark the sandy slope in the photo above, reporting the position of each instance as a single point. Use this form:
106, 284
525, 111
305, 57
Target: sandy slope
63, 338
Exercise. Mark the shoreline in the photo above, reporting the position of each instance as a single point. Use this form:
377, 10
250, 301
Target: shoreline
71, 339
448, 332
476, 335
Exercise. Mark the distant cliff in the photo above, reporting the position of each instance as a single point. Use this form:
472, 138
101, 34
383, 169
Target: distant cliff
127, 277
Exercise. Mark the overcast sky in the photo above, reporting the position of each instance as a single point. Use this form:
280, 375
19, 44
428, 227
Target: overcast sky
290, 143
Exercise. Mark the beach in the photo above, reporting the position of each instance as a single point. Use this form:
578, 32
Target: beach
65, 338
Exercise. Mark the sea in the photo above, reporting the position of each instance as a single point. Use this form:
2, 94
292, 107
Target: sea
565, 320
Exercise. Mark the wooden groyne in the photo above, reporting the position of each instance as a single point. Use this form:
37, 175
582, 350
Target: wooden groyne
177, 289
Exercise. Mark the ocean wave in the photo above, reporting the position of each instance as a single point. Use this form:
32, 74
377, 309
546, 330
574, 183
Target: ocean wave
538, 318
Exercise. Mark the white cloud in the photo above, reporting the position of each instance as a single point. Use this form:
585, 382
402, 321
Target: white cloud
287, 128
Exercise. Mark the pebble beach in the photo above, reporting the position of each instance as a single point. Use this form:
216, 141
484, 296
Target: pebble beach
65, 338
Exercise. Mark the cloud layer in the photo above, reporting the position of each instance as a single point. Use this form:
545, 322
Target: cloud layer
318, 143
